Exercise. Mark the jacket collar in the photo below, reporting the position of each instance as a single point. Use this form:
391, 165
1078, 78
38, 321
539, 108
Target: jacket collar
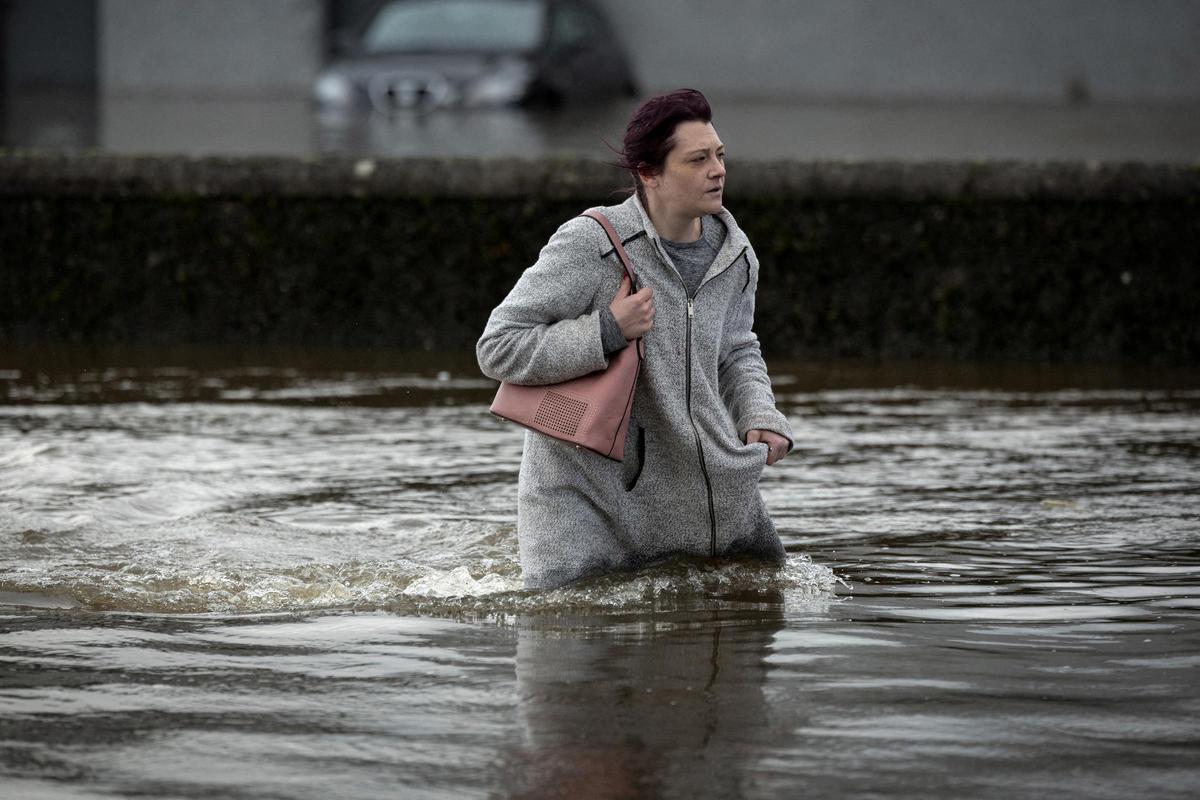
631, 221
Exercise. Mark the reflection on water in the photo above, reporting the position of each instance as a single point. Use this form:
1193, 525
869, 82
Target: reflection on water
753, 128
621, 707
163, 124
476, 132
244, 575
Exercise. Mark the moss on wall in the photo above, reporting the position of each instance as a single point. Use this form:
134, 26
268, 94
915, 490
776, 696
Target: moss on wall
859, 260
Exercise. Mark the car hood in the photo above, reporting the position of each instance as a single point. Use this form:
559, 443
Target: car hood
459, 68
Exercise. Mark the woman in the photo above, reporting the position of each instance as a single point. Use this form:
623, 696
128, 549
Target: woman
704, 422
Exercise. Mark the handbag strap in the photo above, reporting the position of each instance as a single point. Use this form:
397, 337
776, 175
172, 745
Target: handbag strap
616, 242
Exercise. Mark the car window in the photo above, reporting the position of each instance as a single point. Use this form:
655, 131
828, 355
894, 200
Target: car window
422, 25
573, 25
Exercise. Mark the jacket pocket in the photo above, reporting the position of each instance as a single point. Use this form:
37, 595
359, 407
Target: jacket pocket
633, 471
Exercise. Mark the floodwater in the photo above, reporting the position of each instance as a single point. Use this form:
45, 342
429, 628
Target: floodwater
752, 128
264, 575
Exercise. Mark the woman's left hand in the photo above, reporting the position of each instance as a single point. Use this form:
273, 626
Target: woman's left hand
777, 446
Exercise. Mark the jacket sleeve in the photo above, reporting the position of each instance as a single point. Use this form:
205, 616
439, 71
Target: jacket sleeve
546, 330
745, 385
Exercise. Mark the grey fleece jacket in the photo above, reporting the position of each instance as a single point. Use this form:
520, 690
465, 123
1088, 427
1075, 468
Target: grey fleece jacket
688, 484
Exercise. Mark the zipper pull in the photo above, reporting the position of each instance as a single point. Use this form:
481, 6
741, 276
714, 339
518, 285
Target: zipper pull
690, 310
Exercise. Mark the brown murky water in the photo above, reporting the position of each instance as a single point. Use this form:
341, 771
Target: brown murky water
283, 575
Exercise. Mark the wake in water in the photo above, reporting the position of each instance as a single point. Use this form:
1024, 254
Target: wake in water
253, 507
476, 575
681, 582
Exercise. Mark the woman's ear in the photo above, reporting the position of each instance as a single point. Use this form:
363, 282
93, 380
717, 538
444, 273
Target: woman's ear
648, 178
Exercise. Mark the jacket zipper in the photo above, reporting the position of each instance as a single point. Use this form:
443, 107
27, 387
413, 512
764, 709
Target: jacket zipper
712, 508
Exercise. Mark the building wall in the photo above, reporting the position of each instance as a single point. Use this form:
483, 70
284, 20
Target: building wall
47, 72
260, 48
1023, 50
48, 43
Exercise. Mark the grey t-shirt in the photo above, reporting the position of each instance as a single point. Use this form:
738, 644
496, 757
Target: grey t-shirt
692, 260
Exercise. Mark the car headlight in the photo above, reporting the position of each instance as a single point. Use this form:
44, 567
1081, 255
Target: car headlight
506, 85
332, 89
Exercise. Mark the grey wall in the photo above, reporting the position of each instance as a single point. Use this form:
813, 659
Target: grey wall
1026, 50
204, 76
257, 47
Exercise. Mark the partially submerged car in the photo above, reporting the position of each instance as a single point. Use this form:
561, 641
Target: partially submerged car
422, 55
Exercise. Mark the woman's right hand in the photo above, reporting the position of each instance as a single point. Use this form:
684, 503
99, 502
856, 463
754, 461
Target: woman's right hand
633, 312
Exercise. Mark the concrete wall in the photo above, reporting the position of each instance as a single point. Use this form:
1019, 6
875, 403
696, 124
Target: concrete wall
1024, 50
260, 48
204, 77
1060, 263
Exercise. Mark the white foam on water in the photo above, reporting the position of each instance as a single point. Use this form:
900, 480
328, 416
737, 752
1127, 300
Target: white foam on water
23, 456
480, 585
681, 582
459, 582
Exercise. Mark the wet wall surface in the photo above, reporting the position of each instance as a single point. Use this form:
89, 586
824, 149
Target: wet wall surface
1055, 262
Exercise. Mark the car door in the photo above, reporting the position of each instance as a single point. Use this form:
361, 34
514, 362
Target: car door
586, 61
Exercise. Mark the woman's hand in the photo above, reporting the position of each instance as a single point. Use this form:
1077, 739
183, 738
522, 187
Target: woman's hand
777, 446
633, 312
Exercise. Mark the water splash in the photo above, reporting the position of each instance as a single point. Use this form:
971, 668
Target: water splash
483, 586
459, 582
685, 582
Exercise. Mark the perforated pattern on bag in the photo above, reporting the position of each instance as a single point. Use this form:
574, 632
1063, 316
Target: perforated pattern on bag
560, 413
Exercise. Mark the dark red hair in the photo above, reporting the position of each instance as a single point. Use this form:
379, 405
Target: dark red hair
650, 134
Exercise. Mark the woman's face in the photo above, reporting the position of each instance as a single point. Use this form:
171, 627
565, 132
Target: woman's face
692, 179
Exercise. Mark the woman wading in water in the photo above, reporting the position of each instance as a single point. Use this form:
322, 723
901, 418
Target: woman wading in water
704, 422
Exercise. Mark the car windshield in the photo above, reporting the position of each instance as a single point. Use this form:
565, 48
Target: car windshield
423, 25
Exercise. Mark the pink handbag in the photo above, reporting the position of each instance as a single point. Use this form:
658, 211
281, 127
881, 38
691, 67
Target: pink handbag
592, 410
